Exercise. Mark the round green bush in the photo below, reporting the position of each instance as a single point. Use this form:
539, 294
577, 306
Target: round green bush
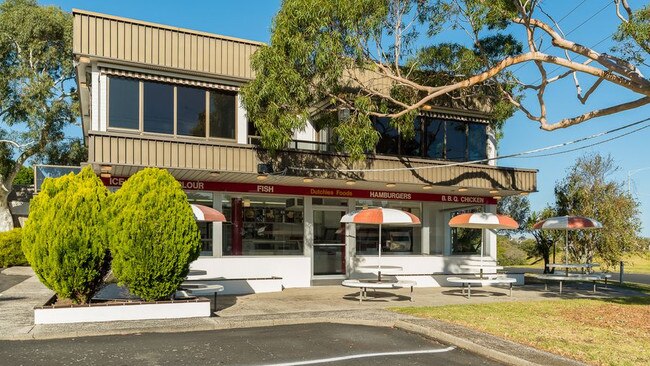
64, 238
11, 253
154, 235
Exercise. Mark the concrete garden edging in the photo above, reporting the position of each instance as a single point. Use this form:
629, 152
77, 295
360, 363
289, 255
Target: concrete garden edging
115, 311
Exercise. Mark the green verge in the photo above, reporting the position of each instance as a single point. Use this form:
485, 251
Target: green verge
597, 332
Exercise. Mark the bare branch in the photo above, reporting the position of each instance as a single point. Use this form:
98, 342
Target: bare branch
593, 88
596, 113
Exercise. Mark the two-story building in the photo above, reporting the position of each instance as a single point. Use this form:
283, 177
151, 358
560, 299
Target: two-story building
154, 95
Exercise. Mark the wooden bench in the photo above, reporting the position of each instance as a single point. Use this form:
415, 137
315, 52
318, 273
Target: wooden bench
363, 286
571, 277
482, 281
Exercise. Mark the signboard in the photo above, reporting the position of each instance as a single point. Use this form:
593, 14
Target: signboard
315, 191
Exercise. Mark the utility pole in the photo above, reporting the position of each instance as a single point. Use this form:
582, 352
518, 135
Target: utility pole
630, 173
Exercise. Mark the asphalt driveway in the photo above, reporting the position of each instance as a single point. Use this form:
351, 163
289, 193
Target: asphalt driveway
320, 343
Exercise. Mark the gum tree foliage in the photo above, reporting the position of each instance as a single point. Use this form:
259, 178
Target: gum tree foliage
65, 235
36, 97
381, 58
154, 235
517, 207
588, 190
546, 241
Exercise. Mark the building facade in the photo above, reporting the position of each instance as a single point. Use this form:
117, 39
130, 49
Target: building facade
154, 95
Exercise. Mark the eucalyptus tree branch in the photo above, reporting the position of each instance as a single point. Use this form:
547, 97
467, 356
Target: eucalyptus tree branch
627, 8
597, 113
593, 88
610, 62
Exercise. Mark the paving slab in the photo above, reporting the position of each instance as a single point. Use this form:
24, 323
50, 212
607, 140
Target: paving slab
319, 304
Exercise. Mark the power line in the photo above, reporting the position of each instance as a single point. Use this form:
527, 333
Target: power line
528, 152
583, 147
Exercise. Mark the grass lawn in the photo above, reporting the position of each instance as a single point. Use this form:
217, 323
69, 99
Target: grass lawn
597, 332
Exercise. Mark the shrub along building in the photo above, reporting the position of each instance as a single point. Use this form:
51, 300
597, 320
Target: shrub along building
153, 95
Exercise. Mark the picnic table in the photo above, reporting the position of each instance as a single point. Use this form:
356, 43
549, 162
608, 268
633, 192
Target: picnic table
364, 285
190, 289
569, 277
481, 268
481, 281
567, 266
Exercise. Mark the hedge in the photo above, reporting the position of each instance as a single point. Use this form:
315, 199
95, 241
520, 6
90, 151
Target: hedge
154, 236
65, 238
11, 254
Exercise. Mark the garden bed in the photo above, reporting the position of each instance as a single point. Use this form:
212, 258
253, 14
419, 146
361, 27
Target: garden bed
58, 313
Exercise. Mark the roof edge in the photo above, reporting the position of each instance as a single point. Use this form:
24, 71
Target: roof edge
163, 26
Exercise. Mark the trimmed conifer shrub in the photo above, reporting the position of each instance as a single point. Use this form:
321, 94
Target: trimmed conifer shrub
64, 238
154, 235
11, 254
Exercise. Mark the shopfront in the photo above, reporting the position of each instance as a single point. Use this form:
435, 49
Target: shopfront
280, 225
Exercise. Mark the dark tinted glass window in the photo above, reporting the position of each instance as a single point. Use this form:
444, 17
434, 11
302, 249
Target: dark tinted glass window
158, 107
222, 114
123, 103
435, 138
388, 136
477, 141
413, 147
456, 140
190, 111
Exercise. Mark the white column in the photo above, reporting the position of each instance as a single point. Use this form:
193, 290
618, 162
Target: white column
308, 239
242, 123
95, 97
350, 242
491, 146
490, 237
217, 227
427, 222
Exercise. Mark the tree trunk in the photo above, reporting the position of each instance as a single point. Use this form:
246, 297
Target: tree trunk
6, 221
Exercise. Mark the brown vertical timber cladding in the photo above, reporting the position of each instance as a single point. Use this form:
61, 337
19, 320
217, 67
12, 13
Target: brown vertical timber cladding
158, 151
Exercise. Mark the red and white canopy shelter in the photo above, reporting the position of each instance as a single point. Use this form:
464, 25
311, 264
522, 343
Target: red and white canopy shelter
205, 213
483, 220
567, 223
381, 216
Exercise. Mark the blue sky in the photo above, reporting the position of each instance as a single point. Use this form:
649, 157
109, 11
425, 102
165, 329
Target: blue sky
590, 23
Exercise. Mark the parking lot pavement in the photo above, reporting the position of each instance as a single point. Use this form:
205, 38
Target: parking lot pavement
9, 281
319, 343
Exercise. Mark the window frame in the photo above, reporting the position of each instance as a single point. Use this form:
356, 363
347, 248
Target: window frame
140, 130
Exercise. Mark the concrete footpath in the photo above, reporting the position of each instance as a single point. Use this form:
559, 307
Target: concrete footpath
323, 304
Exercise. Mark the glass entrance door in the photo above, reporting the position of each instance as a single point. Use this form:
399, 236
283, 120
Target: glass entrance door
329, 243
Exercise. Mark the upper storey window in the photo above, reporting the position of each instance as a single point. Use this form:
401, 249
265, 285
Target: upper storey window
435, 139
124, 110
161, 108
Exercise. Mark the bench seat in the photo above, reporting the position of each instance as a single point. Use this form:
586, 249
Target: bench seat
468, 281
575, 277
363, 286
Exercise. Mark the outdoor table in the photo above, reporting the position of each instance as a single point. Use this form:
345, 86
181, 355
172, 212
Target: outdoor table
482, 282
568, 266
202, 287
561, 278
481, 268
363, 286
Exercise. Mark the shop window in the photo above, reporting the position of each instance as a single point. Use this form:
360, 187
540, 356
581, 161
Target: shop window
388, 137
262, 226
456, 141
413, 147
205, 228
395, 239
123, 103
222, 114
435, 139
190, 111
477, 141
158, 108
465, 241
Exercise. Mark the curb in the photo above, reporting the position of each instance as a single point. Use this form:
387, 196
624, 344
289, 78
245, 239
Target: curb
463, 343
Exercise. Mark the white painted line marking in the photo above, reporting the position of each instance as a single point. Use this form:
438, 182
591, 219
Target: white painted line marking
364, 355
